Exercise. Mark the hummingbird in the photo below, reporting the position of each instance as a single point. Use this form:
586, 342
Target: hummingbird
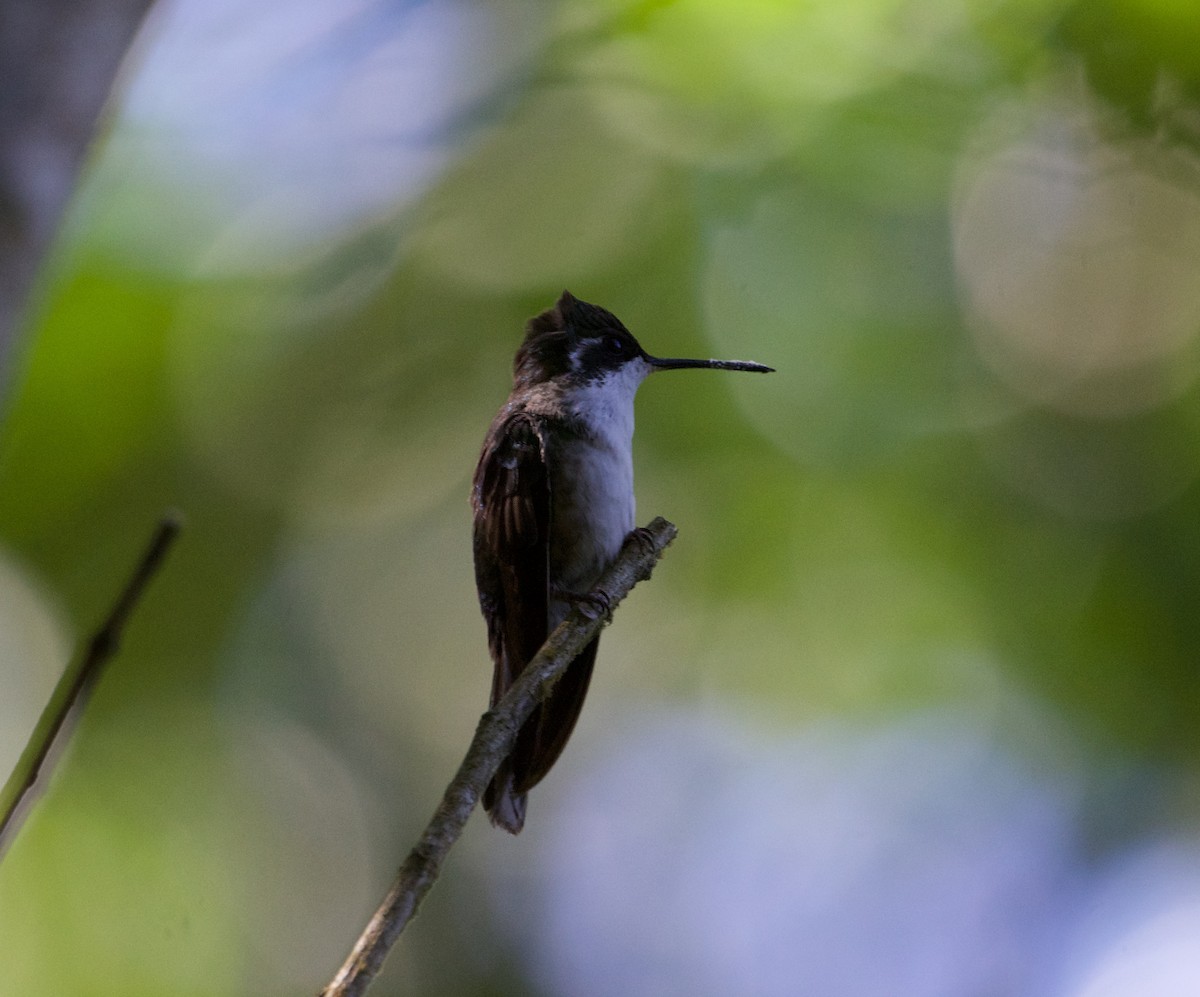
552, 502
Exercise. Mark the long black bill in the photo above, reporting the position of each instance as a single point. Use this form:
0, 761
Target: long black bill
675, 363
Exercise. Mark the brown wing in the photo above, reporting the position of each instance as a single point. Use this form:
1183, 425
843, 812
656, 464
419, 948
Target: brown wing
512, 503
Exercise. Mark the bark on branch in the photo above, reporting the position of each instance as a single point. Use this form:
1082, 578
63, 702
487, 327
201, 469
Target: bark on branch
494, 739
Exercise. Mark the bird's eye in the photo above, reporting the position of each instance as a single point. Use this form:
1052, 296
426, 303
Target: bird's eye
615, 345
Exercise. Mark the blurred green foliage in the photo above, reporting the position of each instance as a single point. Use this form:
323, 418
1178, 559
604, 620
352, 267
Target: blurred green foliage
286, 300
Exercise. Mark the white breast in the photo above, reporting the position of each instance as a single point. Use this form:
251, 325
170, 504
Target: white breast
592, 481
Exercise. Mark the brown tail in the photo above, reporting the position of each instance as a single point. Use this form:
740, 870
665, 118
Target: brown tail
539, 744
505, 807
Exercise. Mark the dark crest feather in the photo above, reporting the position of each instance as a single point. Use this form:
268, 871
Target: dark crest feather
544, 353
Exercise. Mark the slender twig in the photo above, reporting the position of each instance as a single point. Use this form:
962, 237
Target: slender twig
494, 739
71, 693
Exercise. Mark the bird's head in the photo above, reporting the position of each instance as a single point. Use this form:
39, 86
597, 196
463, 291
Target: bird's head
578, 343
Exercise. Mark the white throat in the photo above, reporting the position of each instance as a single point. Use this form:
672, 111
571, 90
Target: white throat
606, 404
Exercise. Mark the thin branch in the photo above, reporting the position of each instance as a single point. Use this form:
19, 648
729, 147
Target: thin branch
494, 739
71, 693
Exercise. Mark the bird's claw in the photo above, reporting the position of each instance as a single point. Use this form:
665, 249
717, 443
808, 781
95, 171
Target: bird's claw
593, 605
643, 538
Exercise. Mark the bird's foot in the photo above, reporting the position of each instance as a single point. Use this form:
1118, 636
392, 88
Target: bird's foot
593, 604
643, 538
